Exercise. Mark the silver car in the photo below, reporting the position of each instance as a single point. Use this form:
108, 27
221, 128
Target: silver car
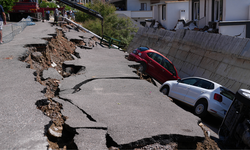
204, 95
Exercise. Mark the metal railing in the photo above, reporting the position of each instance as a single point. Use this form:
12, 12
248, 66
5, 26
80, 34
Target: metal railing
12, 29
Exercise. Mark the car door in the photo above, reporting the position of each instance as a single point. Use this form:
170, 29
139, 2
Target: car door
199, 88
168, 70
154, 66
150, 66
182, 87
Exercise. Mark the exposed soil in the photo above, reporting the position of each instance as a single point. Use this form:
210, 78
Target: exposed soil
61, 135
53, 55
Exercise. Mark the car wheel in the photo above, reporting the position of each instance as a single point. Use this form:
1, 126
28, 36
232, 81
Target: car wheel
165, 90
201, 108
142, 67
242, 97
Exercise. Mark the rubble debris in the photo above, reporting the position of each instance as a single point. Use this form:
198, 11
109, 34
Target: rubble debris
208, 143
45, 59
151, 23
78, 42
142, 76
181, 24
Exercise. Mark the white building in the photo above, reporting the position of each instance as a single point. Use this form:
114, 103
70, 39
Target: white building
205, 12
235, 18
169, 13
227, 17
139, 10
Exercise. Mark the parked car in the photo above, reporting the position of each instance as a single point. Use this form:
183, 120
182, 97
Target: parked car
204, 95
154, 64
234, 131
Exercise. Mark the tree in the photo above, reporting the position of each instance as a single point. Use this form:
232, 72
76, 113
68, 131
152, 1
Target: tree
120, 28
44, 4
7, 4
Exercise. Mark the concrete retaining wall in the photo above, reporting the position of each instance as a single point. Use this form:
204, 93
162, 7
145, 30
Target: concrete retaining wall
223, 59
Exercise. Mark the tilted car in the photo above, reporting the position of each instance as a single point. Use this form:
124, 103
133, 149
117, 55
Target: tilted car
204, 95
234, 131
154, 64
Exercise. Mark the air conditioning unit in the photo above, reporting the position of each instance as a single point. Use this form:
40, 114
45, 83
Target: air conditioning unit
182, 14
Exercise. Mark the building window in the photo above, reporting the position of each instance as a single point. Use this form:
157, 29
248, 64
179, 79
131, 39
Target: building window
216, 10
196, 10
163, 12
143, 6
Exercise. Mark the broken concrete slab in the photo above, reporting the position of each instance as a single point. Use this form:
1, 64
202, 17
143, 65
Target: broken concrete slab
106, 93
93, 139
129, 118
52, 73
78, 117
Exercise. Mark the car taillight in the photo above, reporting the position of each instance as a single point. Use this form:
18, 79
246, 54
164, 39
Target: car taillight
218, 97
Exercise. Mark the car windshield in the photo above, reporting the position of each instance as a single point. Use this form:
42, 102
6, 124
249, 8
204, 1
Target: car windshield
225, 92
143, 48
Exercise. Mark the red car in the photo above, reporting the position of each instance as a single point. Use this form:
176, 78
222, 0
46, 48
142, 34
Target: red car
154, 64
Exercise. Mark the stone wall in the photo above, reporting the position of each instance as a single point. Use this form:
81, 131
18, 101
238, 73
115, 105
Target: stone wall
220, 58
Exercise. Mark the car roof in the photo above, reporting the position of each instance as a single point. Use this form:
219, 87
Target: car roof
152, 50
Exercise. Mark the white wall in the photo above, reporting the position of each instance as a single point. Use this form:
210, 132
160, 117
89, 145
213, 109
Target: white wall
173, 13
202, 3
233, 30
155, 12
127, 13
141, 14
235, 10
135, 5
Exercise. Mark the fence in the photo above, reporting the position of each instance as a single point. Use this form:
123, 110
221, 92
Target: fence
11, 30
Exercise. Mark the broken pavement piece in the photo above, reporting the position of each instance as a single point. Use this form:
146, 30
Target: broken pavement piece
51, 73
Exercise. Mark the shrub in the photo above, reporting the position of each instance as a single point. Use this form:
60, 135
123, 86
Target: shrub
114, 26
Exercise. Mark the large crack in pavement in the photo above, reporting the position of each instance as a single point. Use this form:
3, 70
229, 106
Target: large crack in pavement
48, 62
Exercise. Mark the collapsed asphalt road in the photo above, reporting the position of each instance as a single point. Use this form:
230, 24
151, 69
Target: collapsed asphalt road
106, 105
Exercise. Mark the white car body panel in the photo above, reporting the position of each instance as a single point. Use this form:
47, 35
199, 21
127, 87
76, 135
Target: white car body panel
179, 90
190, 94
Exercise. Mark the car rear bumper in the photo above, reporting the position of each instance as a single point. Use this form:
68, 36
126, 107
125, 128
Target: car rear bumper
131, 57
134, 57
217, 110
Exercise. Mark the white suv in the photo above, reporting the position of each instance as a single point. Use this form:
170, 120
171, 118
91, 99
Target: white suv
203, 94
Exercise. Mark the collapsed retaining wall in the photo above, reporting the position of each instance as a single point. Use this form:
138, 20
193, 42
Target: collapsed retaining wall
223, 59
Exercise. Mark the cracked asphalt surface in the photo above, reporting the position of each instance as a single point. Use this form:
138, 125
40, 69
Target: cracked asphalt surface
111, 99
